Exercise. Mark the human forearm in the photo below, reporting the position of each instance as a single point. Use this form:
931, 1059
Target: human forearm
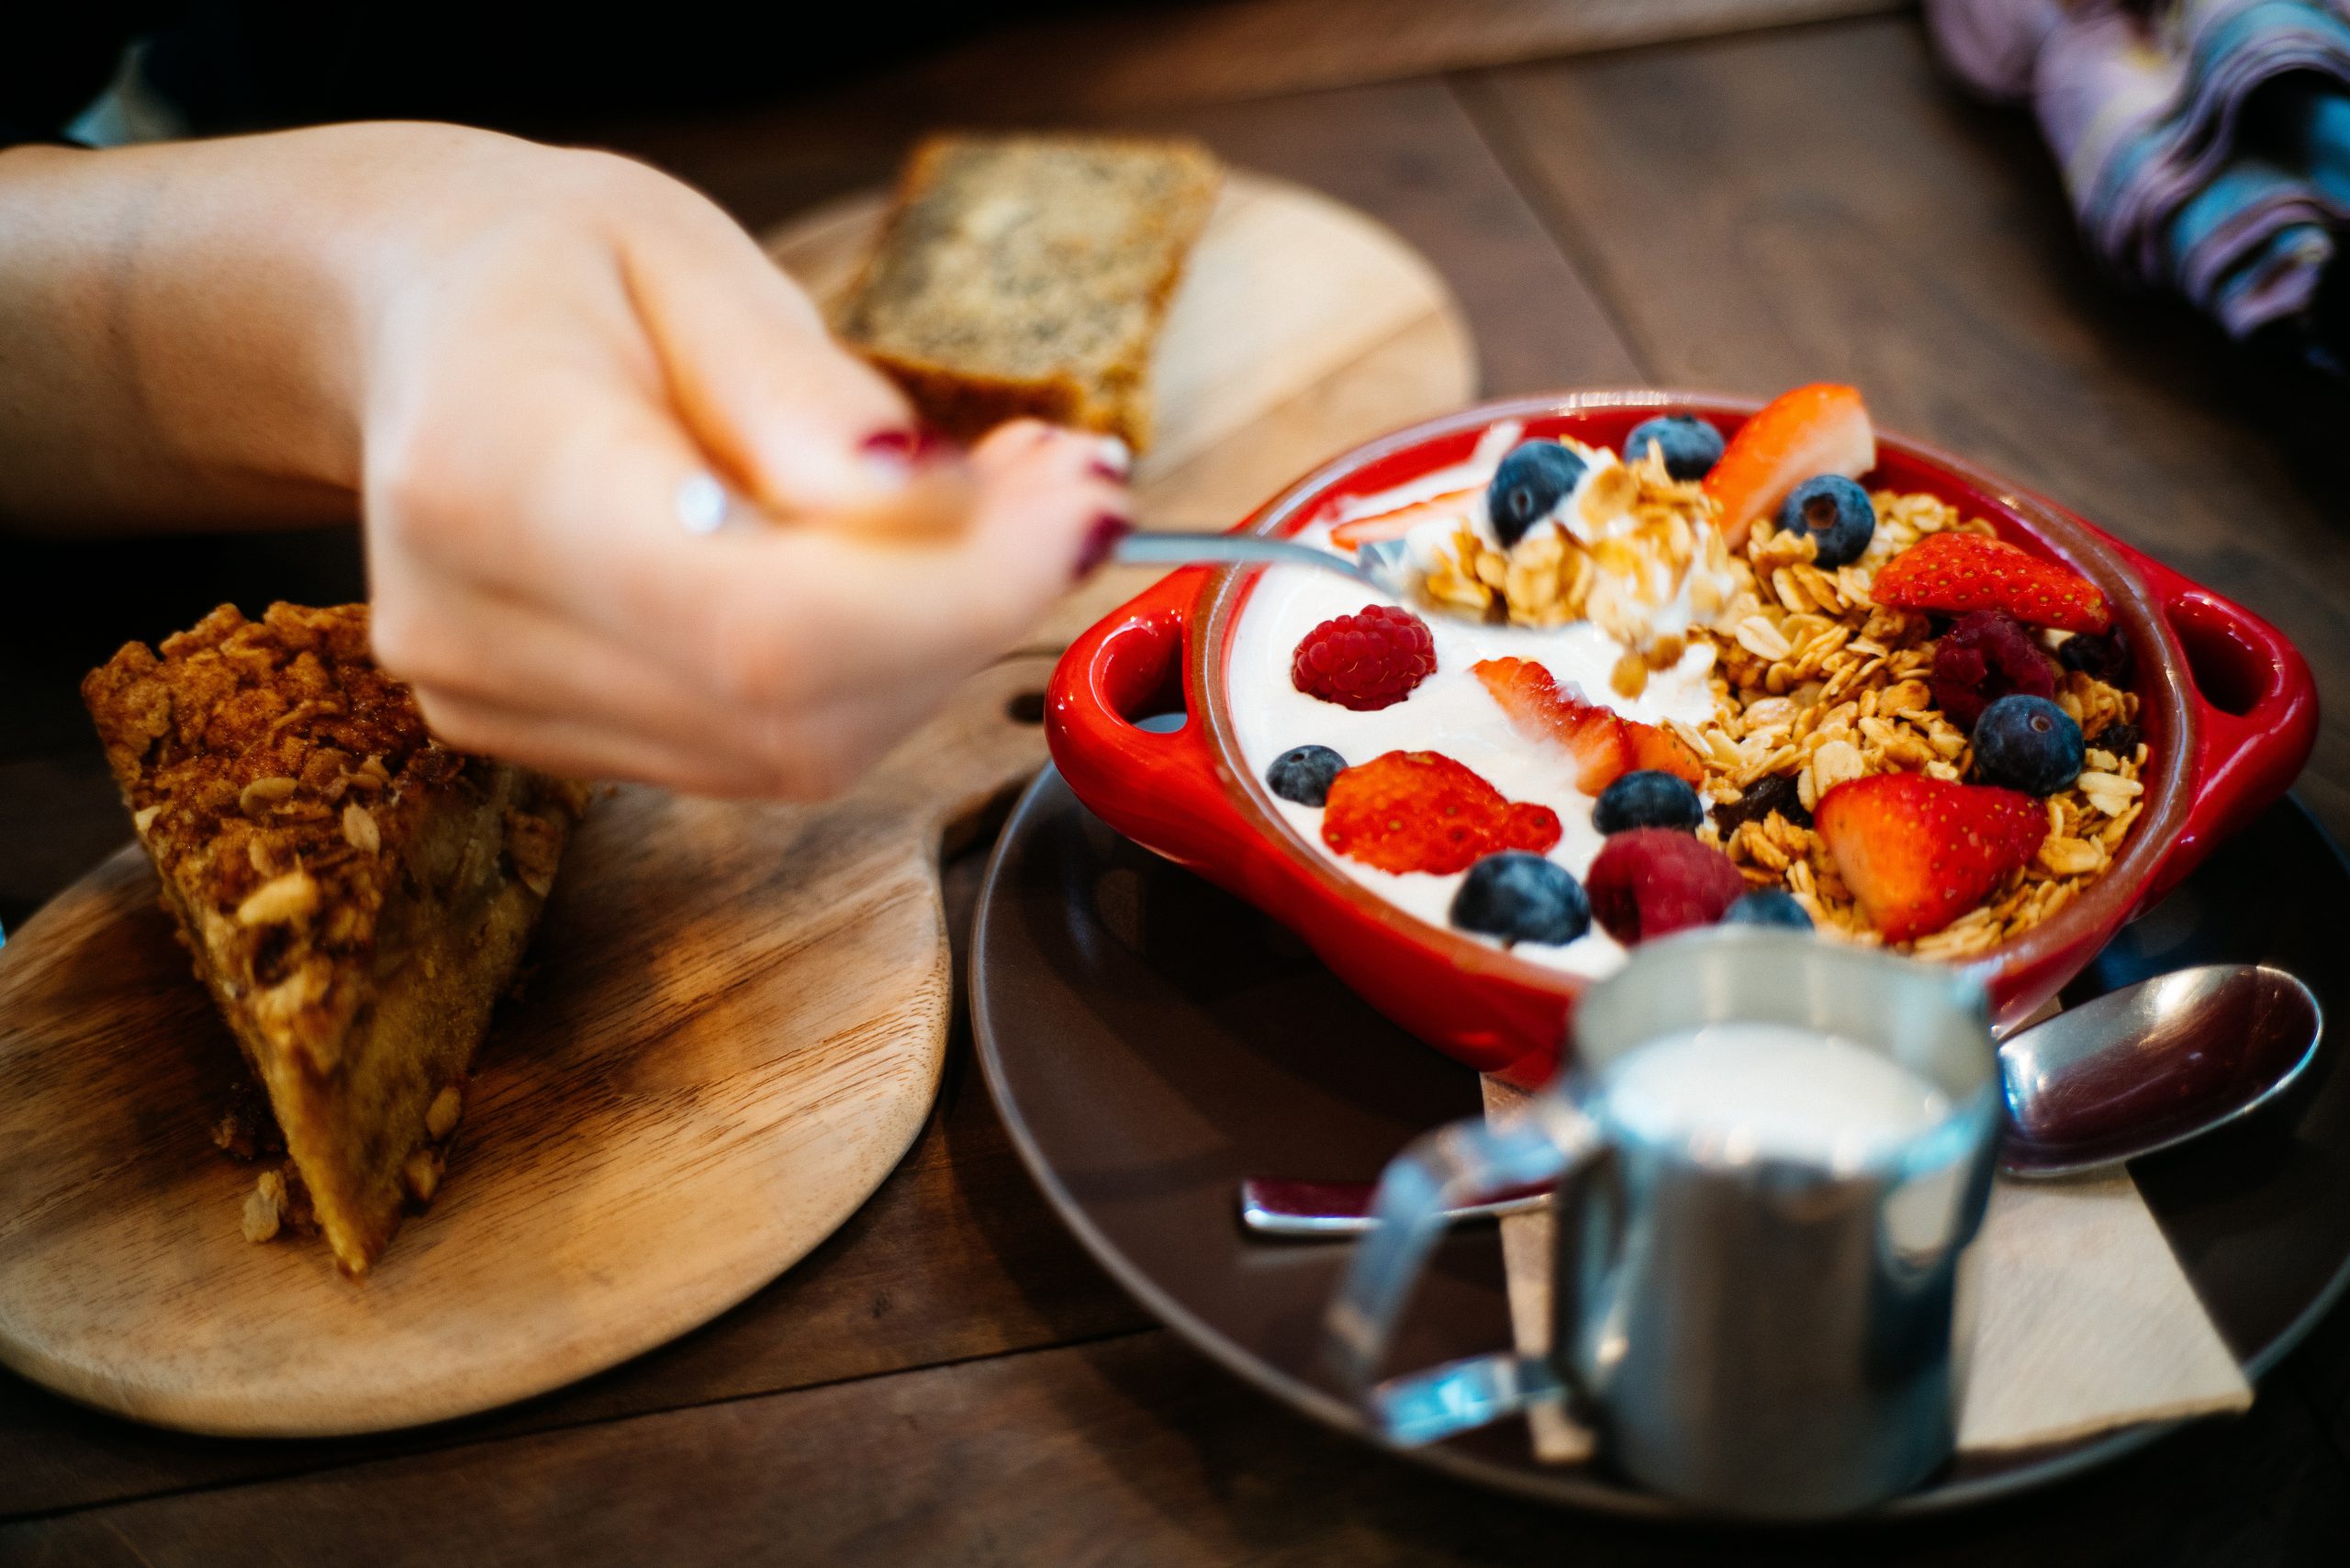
181, 325
529, 371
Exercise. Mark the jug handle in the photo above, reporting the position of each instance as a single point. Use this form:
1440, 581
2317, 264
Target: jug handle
1465, 1162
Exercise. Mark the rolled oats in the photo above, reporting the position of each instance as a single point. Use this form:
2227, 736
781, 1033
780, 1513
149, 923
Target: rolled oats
358, 829
1813, 680
265, 1208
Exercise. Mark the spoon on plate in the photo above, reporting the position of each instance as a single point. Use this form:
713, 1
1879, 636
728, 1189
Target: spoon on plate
2135, 1071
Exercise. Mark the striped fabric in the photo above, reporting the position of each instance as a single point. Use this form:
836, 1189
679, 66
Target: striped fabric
2206, 144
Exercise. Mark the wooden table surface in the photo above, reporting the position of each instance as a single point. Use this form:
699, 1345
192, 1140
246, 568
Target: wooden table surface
950, 1379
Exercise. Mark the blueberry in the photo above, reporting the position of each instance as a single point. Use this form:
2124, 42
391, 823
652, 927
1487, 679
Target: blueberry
1304, 773
1768, 906
1534, 477
1519, 897
1647, 798
2027, 744
1836, 512
1691, 446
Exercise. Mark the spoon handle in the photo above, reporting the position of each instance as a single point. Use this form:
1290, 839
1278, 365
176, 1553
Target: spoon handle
1272, 1206
1233, 549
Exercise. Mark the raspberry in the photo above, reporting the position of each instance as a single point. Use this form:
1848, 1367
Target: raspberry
1366, 661
1652, 881
1986, 657
1420, 810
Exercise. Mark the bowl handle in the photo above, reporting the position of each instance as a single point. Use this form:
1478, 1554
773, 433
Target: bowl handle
1163, 788
2256, 708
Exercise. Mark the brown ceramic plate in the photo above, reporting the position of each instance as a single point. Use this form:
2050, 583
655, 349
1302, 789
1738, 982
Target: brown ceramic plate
1152, 1040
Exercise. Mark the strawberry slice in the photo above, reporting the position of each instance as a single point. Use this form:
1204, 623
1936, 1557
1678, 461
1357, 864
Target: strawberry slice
1420, 810
1919, 852
1819, 429
1954, 572
1382, 526
1604, 744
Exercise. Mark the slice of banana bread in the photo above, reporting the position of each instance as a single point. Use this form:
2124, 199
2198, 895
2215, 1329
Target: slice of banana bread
1028, 276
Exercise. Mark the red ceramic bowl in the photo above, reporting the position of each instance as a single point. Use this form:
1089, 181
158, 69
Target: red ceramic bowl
2227, 706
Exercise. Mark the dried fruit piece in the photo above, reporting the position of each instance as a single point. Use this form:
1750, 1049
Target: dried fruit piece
1366, 661
1953, 573
2105, 658
1605, 744
2120, 737
1780, 792
1919, 852
1420, 810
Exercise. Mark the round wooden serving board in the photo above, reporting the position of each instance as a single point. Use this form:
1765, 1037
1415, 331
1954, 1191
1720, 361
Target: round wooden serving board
733, 1029
738, 1015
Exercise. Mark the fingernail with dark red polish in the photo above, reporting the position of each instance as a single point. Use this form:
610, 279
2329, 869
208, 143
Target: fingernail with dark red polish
1115, 462
917, 445
888, 458
1100, 540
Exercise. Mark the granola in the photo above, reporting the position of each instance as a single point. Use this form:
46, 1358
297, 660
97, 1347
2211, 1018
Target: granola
1815, 682
1654, 643
1638, 558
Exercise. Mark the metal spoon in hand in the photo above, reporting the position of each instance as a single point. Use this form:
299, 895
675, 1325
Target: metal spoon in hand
2130, 1072
1380, 567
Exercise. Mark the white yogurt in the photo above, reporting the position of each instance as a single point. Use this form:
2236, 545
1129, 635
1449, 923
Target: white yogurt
1747, 1091
1451, 711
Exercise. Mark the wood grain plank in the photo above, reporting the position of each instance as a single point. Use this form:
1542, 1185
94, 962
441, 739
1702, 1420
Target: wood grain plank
1127, 1451
1404, 152
956, 1256
1408, 154
1818, 204
1118, 58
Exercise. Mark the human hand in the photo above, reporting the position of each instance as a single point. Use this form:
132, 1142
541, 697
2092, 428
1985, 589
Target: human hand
532, 371
550, 385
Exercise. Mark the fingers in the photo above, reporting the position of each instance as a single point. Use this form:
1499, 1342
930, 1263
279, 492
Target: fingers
498, 675
796, 615
455, 640
573, 747
804, 426
539, 512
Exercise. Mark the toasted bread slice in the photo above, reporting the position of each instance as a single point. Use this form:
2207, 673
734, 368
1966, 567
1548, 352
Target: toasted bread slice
1029, 274
355, 895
